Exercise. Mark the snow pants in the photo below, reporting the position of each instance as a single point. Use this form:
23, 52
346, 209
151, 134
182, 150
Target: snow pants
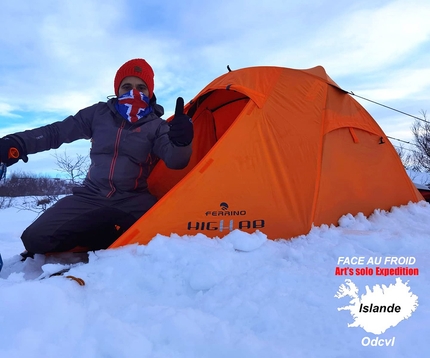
85, 219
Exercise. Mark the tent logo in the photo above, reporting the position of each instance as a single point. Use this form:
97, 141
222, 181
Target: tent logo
223, 206
225, 224
224, 211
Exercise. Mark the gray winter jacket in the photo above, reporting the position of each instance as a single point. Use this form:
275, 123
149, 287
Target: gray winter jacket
122, 153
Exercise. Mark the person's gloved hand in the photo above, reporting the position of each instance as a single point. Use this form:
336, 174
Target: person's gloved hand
11, 151
181, 131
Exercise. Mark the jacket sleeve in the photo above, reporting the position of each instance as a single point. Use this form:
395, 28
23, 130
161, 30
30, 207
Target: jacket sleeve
54, 135
173, 156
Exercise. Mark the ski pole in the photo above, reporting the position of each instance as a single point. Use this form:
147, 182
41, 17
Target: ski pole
2, 171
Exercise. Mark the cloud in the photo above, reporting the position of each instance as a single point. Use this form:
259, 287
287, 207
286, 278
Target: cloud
7, 110
373, 39
401, 84
54, 47
60, 56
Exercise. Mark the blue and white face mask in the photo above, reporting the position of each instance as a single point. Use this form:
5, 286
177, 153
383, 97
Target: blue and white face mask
133, 105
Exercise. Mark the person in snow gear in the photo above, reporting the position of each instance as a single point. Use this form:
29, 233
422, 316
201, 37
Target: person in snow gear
127, 137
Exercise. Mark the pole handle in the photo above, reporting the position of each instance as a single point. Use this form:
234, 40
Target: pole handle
13, 153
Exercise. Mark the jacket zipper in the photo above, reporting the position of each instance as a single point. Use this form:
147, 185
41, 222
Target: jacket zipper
136, 183
114, 158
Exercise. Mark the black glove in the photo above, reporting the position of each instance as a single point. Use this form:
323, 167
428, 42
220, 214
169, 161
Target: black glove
11, 151
181, 131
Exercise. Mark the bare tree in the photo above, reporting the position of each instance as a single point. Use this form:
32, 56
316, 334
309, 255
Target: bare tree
421, 153
37, 204
75, 168
28, 184
42, 192
406, 156
5, 202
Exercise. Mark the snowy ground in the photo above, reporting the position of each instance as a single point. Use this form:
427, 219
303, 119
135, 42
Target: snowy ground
242, 296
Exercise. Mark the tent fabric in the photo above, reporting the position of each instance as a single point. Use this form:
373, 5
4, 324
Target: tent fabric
277, 150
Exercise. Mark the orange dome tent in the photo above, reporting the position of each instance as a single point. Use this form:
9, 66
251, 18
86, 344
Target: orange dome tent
276, 150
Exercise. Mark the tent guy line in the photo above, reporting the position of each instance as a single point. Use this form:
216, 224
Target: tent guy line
392, 108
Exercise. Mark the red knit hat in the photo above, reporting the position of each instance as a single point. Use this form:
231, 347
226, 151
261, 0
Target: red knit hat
137, 67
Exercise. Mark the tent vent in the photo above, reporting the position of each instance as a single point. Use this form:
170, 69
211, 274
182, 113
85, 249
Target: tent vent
381, 141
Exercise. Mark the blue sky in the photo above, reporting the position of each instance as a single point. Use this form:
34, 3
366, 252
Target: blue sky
60, 56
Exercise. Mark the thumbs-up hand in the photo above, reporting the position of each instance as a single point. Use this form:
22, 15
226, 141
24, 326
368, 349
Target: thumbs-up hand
181, 131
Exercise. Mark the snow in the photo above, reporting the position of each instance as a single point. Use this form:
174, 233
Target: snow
191, 296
